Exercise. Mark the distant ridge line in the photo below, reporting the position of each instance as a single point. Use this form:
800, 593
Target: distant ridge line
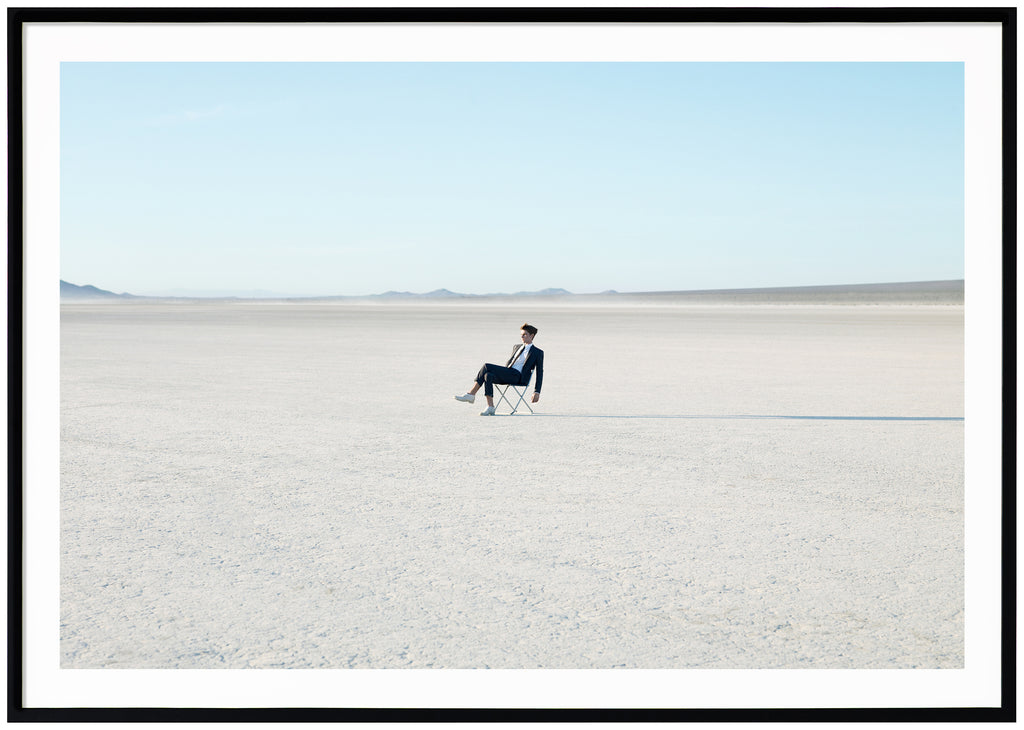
944, 290
73, 291
935, 285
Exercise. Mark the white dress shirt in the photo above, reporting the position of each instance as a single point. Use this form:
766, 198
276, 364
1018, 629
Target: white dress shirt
521, 360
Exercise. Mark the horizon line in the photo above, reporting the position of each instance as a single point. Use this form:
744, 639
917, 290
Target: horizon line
549, 291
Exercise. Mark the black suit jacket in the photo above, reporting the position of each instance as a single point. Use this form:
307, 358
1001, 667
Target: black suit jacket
535, 359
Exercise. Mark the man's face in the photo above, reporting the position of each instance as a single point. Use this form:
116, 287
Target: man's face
527, 337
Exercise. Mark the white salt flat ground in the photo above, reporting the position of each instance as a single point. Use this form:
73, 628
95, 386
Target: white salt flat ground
292, 485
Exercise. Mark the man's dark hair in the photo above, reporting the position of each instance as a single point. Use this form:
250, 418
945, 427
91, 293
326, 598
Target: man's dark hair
529, 328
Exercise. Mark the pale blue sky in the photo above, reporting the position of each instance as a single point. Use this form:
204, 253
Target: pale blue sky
357, 178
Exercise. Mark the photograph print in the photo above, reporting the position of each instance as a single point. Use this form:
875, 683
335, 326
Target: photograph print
467, 363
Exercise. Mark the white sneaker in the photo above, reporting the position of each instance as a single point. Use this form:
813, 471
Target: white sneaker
467, 398
488, 412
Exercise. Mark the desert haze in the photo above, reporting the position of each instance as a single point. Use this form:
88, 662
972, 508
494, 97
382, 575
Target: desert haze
706, 483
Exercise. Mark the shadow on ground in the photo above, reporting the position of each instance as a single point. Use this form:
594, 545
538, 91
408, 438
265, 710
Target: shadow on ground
751, 417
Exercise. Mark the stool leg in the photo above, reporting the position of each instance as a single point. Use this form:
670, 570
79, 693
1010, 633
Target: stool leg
516, 406
502, 390
526, 402
522, 398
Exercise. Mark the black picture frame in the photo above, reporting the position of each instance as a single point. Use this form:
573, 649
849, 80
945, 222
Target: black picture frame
17, 18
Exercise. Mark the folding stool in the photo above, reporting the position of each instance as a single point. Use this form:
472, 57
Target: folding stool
520, 390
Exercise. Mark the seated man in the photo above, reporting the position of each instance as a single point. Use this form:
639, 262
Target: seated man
517, 370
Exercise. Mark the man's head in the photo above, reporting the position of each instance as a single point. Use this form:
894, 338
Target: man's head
528, 333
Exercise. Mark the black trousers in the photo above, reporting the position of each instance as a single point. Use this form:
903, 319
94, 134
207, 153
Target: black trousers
491, 374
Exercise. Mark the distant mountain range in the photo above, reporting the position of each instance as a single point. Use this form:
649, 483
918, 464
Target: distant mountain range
947, 291
445, 293
73, 291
